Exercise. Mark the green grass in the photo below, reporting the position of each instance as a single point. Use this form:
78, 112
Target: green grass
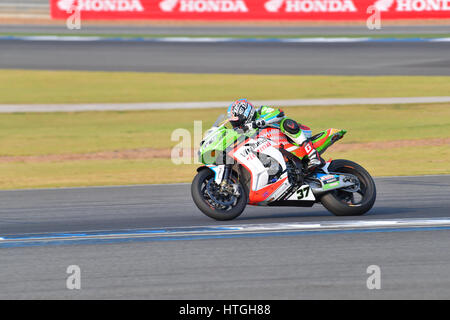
400, 161
34, 87
82, 132
17, 175
61, 133
40, 134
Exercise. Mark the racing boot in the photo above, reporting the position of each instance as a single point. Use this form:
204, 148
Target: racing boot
314, 159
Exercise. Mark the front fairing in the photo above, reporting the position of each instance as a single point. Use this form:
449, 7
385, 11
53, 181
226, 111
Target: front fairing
218, 139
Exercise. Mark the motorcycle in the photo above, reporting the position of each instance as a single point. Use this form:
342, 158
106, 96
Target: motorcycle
262, 167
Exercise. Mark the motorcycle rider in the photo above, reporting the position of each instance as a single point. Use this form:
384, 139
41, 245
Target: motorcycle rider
242, 114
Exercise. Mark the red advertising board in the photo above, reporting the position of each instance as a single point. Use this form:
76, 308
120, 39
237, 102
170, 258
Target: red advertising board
249, 9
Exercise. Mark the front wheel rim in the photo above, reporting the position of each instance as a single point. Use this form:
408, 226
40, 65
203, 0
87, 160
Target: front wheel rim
219, 202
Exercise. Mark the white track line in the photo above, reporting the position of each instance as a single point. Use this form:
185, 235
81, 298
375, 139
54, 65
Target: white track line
9, 108
347, 225
236, 229
441, 40
250, 39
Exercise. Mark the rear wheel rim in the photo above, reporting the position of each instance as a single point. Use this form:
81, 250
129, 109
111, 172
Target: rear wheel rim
352, 199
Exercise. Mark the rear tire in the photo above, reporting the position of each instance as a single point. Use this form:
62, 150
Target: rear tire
201, 198
335, 201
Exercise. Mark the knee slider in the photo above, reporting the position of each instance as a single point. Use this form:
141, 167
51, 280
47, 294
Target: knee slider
291, 126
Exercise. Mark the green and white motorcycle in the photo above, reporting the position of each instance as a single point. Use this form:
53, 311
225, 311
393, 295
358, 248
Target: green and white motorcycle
262, 167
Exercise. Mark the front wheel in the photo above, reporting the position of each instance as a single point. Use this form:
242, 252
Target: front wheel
214, 202
350, 203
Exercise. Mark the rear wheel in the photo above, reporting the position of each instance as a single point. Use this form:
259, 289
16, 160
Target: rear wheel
345, 202
215, 202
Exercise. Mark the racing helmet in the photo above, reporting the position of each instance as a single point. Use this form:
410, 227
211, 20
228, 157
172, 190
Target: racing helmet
241, 112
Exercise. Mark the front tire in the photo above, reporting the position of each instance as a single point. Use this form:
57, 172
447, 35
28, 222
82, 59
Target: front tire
340, 202
203, 180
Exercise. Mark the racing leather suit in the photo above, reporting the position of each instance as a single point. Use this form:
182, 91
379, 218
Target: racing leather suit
299, 134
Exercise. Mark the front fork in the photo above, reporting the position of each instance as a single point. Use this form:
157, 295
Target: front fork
226, 174
223, 178
219, 172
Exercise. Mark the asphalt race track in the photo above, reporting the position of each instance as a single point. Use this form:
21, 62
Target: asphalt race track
414, 263
371, 58
156, 206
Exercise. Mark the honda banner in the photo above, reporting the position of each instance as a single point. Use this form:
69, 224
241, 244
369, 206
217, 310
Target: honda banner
250, 9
